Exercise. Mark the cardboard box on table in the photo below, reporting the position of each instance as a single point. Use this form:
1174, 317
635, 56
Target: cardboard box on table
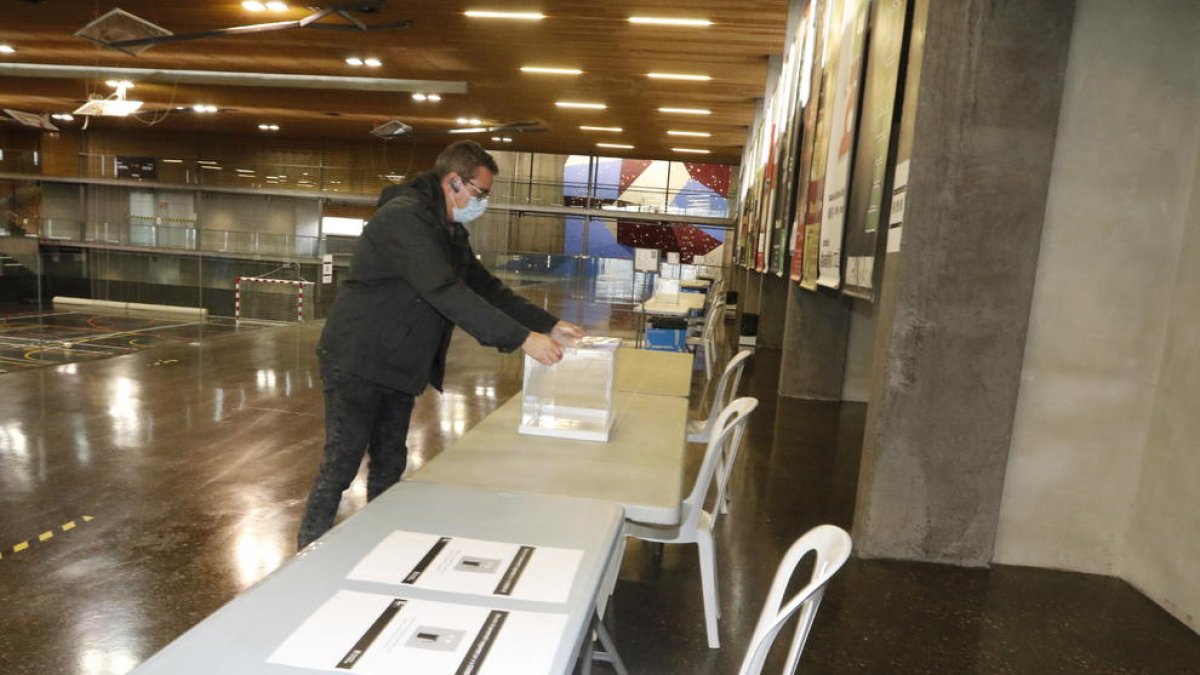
573, 398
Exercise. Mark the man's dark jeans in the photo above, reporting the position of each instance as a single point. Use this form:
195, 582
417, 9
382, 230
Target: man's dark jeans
359, 415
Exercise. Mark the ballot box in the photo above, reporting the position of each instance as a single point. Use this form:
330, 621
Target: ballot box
573, 398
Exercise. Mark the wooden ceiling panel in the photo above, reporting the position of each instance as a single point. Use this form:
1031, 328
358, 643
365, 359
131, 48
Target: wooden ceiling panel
441, 44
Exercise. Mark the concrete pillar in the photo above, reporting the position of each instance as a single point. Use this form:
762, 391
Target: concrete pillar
772, 310
816, 330
956, 299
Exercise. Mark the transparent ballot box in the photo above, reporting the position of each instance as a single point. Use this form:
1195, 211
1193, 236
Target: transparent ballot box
574, 398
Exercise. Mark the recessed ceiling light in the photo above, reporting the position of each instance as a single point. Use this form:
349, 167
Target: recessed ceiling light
6, 49
354, 61
372, 62
613, 130
204, 108
468, 130
63, 117
506, 139
696, 134
669, 21
469, 121
686, 111
253, 6
618, 146
577, 104
487, 14
172, 161
433, 98
119, 84
551, 71
268, 127
244, 170
210, 166
695, 151
678, 76
419, 97
277, 6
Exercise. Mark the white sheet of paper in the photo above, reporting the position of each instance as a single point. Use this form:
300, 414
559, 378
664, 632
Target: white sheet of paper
899, 197
421, 636
472, 566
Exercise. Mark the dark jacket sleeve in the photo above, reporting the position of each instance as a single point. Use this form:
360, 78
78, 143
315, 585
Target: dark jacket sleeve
501, 296
412, 247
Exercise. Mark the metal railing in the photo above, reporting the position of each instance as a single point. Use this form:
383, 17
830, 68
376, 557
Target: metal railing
367, 180
243, 242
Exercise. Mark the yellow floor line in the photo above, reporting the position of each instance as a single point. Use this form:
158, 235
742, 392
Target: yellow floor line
47, 535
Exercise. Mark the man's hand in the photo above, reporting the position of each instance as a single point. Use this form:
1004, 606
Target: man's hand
565, 332
542, 348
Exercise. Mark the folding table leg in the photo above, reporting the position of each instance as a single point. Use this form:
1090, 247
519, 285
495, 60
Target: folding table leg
609, 655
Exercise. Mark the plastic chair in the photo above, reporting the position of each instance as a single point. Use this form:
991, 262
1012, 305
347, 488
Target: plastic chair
708, 336
696, 524
700, 430
832, 546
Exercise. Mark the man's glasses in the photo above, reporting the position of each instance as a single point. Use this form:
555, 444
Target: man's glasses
480, 193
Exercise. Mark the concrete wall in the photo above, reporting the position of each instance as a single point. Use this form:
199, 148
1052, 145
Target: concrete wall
860, 352
1103, 473
1162, 547
939, 426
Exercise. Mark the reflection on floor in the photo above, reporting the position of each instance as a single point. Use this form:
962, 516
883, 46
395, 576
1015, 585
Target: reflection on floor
183, 486
37, 339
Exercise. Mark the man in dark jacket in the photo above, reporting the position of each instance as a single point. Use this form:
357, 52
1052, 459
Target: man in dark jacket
412, 279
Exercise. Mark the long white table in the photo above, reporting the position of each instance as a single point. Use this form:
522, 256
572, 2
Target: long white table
650, 372
640, 467
685, 302
240, 637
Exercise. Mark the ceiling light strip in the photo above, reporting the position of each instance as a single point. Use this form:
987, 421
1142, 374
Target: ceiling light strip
679, 76
551, 71
694, 134
669, 21
581, 105
489, 14
694, 151
618, 146
611, 130
686, 111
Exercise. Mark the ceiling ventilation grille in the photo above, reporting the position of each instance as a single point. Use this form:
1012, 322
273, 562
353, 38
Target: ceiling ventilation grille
121, 26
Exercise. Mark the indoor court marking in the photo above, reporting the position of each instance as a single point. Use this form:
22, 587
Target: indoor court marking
44, 536
51, 339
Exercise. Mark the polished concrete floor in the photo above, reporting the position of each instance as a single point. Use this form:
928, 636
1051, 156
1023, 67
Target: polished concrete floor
140, 493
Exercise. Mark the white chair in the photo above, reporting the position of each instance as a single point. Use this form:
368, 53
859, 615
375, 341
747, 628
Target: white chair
695, 524
700, 430
707, 340
725, 391
832, 546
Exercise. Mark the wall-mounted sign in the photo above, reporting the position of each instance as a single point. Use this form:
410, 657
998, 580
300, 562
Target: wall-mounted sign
138, 168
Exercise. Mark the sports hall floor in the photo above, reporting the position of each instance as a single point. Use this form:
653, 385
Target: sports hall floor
181, 466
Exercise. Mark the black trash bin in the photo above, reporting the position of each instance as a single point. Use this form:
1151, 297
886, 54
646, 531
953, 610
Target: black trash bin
748, 331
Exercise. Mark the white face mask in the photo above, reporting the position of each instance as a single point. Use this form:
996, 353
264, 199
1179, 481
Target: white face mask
474, 208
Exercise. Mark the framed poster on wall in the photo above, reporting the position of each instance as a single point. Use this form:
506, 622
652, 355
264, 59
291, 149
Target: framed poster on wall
843, 127
868, 206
